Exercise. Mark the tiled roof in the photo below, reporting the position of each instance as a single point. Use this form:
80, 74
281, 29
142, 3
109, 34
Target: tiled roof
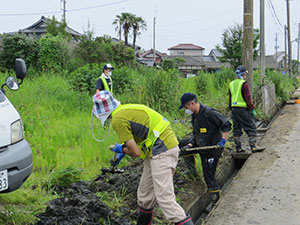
186, 47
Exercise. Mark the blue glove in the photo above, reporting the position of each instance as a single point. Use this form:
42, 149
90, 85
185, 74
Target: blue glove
222, 143
120, 156
118, 148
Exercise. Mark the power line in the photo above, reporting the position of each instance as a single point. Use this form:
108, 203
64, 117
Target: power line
59, 12
274, 15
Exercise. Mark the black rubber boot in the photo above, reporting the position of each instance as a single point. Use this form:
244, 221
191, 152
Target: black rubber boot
254, 148
186, 221
238, 144
144, 216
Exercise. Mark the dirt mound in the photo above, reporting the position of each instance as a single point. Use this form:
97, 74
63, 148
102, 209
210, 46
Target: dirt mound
112, 199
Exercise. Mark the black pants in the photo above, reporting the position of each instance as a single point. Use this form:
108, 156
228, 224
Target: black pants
242, 119
209, 162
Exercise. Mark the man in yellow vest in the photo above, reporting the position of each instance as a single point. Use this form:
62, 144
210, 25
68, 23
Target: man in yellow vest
242, 111
105, 82
148, 135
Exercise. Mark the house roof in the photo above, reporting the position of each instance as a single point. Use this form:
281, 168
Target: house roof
186, 47
40, 26
151, 52
216, 53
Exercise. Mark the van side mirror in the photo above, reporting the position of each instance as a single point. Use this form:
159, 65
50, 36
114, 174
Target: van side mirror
21, 69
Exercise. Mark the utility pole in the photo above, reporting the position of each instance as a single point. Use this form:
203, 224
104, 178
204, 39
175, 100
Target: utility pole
289, 39
298, 42
64, 10
153, 41
285, 50
248, 41
262, 38
276, 53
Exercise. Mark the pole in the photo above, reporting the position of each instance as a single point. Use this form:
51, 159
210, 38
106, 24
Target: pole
276, 53
248, 41
153, 41
64, 10
298, 42
289, 39
262, 38
285, 50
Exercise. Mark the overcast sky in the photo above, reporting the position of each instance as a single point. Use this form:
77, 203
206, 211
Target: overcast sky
177, 21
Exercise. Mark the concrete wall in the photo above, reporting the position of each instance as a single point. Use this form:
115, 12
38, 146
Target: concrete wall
268, 99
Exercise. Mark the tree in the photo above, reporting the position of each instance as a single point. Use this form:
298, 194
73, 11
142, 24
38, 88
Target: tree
137, 24
232, 49
18, 46
54, 27
125, 21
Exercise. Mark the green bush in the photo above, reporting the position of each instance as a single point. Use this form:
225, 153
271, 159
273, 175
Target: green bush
18, 46
84, 78
53, 54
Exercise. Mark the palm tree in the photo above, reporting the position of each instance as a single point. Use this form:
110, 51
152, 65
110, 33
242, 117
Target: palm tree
124, 21
137, 24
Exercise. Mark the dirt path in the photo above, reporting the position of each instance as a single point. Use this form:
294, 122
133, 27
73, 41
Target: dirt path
266, 189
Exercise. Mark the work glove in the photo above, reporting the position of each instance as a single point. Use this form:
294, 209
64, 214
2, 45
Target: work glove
222, 143
253, 112
183, 150
118, 159
118, 148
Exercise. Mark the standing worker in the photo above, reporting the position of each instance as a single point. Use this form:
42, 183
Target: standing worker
209, 128
104, 82
242, 111
148, 135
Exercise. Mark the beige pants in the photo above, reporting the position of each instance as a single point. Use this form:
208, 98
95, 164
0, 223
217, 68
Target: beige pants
156, 185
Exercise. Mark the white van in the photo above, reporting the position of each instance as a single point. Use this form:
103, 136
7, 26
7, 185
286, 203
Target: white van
15, 152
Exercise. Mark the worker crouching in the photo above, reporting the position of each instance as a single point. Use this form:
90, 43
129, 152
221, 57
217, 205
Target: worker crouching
148, 135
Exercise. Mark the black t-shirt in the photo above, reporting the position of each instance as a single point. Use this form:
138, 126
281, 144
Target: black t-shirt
100, 85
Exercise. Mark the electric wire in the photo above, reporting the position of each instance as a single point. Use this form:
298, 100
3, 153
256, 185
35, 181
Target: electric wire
59, 12
275, 17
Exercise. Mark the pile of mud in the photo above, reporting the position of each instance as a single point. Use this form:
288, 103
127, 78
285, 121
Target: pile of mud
82, 204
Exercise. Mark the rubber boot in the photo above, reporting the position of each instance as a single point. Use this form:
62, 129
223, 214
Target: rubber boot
144, 216
186, 221
254, 148
238, 144
215, 195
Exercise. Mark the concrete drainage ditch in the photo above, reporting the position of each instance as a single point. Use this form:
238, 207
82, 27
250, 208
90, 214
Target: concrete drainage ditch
200, 207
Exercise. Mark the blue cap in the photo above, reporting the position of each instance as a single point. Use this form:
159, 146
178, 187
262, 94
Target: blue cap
107, 66
240, 70
185, 98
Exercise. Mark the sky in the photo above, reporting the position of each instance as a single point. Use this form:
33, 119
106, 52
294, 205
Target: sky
197, 22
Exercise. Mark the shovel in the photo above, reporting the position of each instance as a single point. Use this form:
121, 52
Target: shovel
112, 169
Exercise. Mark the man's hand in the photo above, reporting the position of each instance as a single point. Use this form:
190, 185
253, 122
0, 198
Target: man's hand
222, 143
118, 148
183, 150
118, 159
253, 112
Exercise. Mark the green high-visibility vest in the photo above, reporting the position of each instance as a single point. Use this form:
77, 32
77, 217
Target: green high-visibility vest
157, 125
237, 99
105, 84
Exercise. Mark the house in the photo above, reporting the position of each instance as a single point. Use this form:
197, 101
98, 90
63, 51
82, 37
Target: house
186, 50
39, 29
146, 58
273, 62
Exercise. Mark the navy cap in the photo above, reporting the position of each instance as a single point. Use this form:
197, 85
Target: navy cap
108, 66
185, 98
240, 70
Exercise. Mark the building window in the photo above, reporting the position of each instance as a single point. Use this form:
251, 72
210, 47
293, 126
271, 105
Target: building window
180, 53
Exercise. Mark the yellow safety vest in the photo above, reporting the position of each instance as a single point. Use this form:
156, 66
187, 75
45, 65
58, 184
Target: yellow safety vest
237, 99
105, 84
157, 125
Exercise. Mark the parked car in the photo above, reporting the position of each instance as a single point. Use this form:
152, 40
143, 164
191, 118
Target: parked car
15, 152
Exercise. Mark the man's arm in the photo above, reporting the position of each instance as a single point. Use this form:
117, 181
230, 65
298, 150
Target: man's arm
131, 148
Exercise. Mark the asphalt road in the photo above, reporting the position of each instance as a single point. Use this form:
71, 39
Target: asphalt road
266, 191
